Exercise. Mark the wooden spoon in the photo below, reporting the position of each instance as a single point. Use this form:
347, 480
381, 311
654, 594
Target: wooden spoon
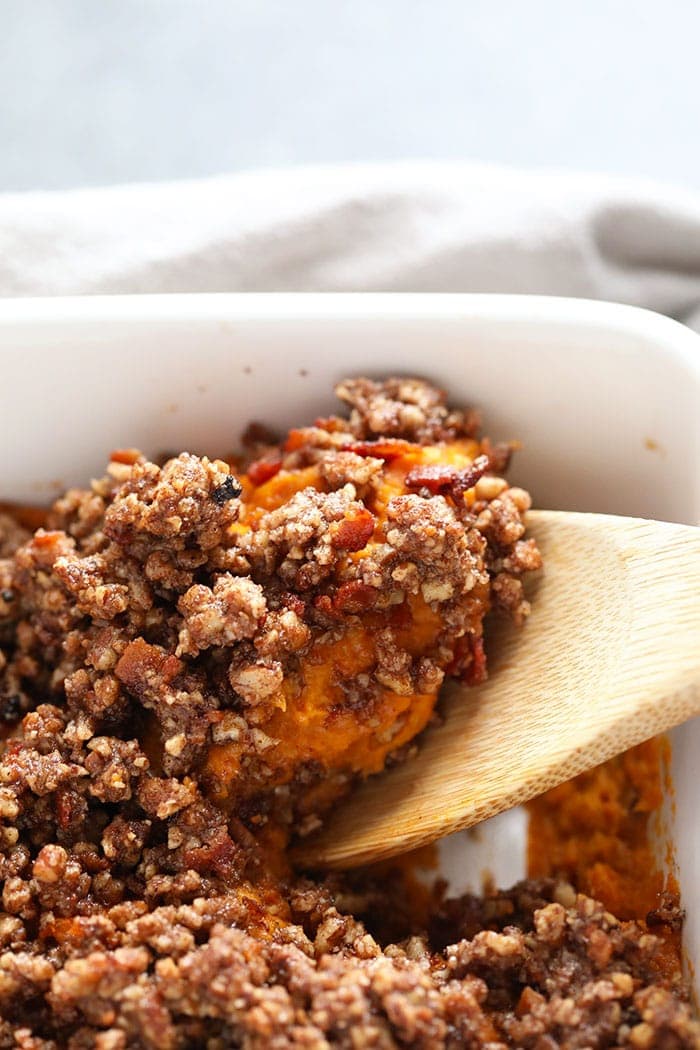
609, 657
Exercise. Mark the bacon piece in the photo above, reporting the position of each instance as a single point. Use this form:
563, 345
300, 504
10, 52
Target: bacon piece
68, 805
324, 604
476, 672
499, 455
385, 448
354, 597
443, 480
128, 456
263, 469
296, 439
46, 539
331, 424
352, 534
433, 476
142, 665
220, 855
469, 664
294, 602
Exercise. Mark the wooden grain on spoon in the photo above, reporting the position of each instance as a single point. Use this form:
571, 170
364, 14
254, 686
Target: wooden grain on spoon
609, 657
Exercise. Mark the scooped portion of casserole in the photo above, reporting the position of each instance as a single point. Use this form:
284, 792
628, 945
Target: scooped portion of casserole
284, 627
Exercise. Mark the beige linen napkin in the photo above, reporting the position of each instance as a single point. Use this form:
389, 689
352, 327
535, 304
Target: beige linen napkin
403, 227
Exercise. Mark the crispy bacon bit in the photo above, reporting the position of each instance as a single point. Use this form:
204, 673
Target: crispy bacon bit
45, 539
476, 672
386, 448
499, 455
433, 476
140, 663
330, 423
170, 668
324, 604
469, 664
263, 469
468, 478
128, 456
229, 489
294, 602
441, 480
218, 856
354, 597
352, 534
296, 439
63, 803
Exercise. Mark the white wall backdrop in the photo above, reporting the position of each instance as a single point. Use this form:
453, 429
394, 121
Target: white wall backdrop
95, 91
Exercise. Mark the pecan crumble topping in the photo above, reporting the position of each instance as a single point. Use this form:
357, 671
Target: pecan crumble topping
196, 660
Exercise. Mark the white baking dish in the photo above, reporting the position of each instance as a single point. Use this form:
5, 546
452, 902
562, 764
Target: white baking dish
606, 400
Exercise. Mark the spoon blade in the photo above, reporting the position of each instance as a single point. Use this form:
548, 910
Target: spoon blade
608, 658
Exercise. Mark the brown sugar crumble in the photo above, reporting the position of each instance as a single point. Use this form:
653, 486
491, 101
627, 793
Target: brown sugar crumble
196, 660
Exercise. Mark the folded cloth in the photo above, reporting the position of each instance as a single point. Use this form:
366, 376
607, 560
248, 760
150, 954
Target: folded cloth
389, 227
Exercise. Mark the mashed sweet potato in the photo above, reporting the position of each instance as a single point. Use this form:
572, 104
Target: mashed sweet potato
367, 680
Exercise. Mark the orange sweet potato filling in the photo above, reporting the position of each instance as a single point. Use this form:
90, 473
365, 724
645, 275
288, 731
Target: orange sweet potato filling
596, 830
316, 723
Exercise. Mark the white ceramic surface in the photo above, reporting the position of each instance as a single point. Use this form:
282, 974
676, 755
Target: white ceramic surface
605, 398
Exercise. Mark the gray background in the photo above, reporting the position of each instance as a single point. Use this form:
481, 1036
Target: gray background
100, 91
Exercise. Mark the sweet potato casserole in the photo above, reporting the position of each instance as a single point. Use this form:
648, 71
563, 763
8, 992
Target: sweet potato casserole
197, 659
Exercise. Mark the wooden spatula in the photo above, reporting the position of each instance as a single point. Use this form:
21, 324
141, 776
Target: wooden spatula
609, 657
